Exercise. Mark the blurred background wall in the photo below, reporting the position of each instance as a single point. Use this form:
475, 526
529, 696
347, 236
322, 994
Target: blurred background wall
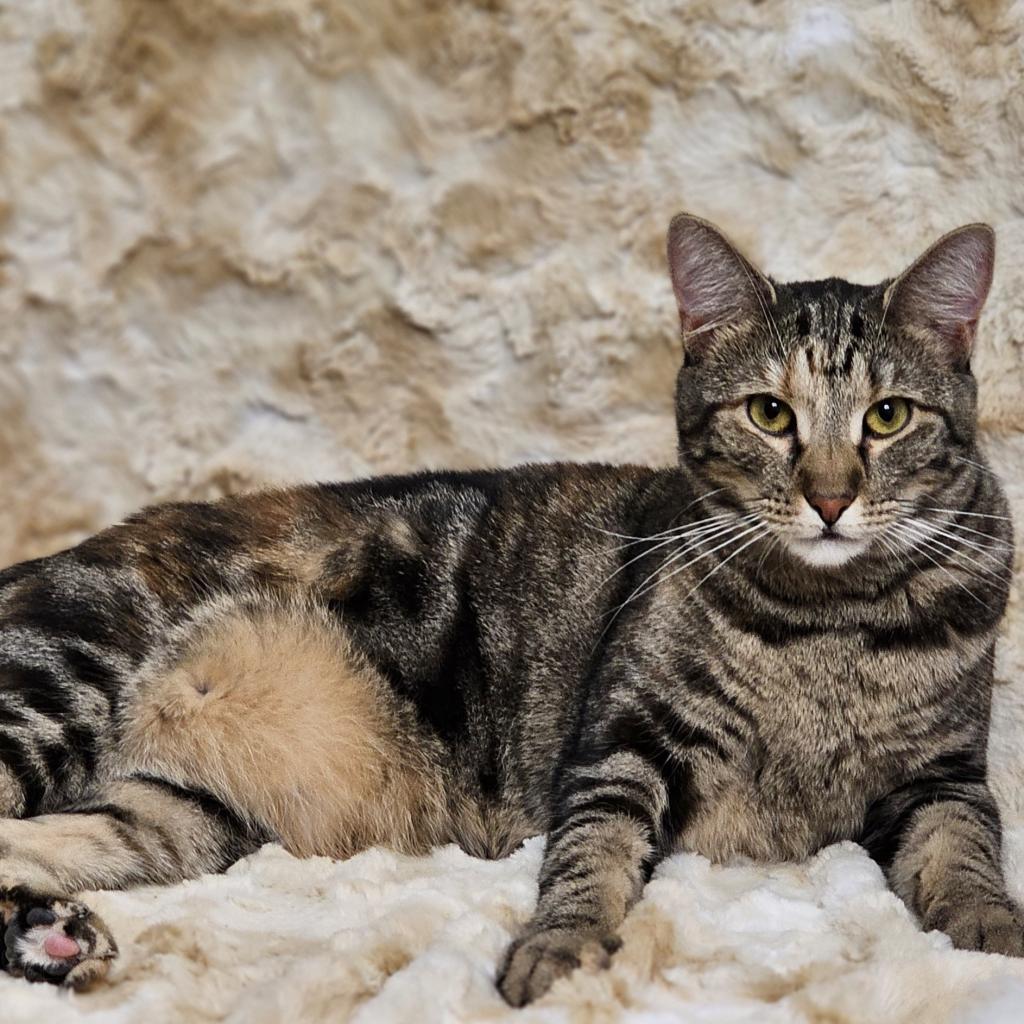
250, 241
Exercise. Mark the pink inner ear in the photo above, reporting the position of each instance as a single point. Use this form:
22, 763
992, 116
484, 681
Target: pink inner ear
946, 288
711, 281
702, 292
963, 273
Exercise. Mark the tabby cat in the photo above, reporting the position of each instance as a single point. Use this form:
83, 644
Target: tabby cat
782, 641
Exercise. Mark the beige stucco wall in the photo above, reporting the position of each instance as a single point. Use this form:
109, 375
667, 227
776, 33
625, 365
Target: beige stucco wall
260, 240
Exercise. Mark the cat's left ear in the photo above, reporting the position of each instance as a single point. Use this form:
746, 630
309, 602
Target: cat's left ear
943, 290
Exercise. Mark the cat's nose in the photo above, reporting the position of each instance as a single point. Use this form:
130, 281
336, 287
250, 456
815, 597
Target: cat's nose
830, 508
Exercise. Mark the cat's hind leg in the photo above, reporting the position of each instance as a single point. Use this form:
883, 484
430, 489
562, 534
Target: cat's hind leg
132, 832
271, 708
276, 727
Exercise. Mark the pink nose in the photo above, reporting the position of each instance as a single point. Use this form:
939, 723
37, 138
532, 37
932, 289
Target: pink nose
830, 509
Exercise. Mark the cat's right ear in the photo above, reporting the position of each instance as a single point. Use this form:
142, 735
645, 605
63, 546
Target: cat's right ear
714, 285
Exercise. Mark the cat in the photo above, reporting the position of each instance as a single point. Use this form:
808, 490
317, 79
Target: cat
781, 641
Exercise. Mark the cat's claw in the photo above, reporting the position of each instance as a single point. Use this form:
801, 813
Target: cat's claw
54, 940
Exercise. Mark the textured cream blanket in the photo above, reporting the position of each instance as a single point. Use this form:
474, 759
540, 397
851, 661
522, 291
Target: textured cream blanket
383, 938
245, 241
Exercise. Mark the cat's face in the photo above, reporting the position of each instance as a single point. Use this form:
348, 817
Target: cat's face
826, 412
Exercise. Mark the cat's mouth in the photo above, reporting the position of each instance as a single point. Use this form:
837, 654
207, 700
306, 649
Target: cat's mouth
827, 548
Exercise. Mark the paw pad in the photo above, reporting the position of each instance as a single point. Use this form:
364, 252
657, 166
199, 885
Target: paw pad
58, 941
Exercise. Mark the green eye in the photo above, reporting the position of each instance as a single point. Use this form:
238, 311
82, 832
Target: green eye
886, 417
769, 413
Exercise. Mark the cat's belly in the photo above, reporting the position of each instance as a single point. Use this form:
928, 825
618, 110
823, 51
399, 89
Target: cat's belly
273, 711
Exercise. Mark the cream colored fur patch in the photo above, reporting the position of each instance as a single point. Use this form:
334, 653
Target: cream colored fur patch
273, 711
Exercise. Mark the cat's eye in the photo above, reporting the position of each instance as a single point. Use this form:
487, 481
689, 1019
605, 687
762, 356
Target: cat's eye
886, 417
771, 414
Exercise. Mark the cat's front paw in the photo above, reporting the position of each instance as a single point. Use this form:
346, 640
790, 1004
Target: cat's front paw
56, 940
536, 961
988, 927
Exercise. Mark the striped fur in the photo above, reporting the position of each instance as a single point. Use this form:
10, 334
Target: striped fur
635, 661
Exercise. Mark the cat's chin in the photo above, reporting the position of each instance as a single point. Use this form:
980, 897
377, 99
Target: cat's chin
827, 552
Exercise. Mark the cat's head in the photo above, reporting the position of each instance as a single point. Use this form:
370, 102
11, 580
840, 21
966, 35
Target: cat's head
826, 409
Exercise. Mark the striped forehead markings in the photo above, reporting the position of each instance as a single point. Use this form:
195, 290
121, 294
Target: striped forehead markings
848, 359
835, 361
856, 323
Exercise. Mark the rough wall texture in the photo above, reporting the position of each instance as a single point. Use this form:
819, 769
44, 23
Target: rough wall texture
250, 240
264, 240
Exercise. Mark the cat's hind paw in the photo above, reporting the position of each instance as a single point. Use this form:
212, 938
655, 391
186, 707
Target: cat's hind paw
54, 940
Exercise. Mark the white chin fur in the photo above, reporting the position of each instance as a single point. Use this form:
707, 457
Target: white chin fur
825, 552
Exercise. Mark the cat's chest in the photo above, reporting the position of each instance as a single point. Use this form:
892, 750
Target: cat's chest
837, 687
829, 724
828, 693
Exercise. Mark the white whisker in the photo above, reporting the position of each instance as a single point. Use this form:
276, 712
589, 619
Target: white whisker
938, 546
980, 533
769, 548
978, 465
687, 549
890, 547
960, 512
687, 535
676, 517
984, 548
885, 310
762, 303
678, 531
753, 540
712, 325
640, 591
960, 583
632, 537
926, 545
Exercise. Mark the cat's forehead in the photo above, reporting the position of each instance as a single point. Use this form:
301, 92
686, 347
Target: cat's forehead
830, 310
825, 388
827, 330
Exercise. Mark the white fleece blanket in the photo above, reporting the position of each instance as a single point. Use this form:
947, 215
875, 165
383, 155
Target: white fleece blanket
385, 938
